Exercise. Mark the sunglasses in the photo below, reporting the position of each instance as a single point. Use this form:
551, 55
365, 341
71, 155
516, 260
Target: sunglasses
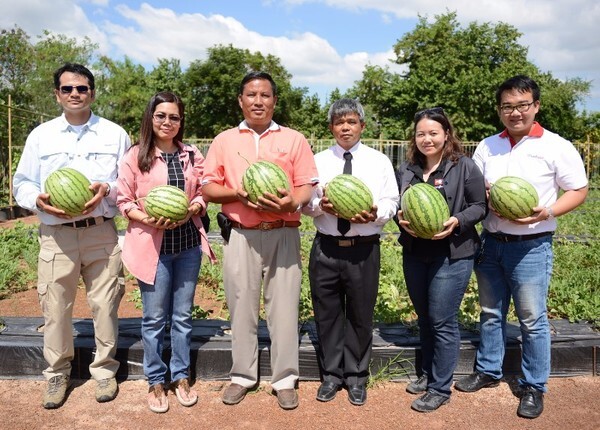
68, 89
429, 111
161, 118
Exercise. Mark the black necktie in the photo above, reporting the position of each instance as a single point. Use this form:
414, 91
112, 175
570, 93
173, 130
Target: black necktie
343, 224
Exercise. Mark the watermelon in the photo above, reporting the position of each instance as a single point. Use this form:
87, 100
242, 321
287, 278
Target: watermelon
264, 177
168, 202
69, 190
425, 209
349, 195
513, 197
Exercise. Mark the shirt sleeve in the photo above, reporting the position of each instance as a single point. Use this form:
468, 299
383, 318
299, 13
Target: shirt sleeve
26, 181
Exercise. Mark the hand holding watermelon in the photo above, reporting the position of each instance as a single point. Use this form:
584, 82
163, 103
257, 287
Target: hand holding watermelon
265, 185
514, 198
350, 199
67, 193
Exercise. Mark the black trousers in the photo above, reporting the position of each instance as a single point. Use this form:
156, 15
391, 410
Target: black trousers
344, 282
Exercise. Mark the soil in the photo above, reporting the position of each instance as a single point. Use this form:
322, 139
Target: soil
571, 403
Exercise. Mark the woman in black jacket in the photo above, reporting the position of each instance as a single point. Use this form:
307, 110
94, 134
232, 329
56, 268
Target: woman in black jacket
437, 270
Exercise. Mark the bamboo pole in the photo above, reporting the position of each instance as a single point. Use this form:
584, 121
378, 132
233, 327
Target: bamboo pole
10, 181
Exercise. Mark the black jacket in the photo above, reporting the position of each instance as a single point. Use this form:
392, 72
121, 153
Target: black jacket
464, 187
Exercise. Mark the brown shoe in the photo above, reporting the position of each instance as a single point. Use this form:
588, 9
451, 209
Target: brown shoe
56, 391
287, 398
234, 394
106, 390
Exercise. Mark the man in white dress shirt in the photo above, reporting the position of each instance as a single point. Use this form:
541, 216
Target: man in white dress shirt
345, 259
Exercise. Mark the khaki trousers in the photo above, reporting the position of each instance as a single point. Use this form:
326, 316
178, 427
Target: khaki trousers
65, 254
270, 258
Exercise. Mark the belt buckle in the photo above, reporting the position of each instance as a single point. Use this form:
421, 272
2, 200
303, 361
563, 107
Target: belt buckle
345, 243
265, 225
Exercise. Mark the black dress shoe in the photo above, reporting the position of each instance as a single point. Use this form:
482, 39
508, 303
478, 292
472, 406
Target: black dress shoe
357, 394
327, 391
531, 404
475, 382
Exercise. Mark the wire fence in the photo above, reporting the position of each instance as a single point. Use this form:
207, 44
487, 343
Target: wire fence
396, 150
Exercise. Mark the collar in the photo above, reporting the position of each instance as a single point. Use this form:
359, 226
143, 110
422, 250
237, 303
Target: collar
339, 151
181, 149
272, 127
91, 123
536, 131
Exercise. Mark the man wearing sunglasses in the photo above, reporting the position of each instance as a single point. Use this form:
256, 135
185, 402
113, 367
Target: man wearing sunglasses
515, 259
84, 245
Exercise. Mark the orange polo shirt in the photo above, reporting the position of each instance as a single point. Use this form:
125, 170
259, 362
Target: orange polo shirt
226, 163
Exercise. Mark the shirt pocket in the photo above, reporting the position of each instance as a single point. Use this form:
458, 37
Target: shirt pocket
103, 158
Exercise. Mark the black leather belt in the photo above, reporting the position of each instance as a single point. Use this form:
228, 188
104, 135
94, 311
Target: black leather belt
346, 242
502, 237
86, 222
267, 225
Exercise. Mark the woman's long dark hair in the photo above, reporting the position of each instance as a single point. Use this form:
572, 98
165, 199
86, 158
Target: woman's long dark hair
453, 148
146, 142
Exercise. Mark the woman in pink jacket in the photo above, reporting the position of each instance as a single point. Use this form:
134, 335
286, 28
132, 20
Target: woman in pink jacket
164, 256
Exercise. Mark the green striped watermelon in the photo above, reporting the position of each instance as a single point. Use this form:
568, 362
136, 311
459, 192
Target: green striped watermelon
264, 177
425, 209
349, 195
168, 202
513, 197
69, 190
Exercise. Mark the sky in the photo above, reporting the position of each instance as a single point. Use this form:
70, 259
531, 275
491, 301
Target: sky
324, 44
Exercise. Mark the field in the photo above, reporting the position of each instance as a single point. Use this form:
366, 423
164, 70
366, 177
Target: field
574, 291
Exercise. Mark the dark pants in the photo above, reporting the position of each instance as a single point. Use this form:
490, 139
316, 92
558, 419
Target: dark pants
344, 282
436, 287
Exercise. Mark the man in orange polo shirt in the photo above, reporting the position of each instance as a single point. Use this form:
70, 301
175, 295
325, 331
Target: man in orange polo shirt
264, 245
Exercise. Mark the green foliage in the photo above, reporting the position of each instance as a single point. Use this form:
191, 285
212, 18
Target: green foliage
459, 69
18, 258
122, 93
382, 370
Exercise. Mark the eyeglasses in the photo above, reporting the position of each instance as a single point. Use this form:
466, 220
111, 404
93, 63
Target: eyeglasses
68, 89
521, 107
161, 118
429, 111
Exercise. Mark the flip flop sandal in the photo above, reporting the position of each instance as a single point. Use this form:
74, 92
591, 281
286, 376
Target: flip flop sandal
183, 386
158, 391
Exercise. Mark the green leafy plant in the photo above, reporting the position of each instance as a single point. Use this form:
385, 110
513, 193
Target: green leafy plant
382, 370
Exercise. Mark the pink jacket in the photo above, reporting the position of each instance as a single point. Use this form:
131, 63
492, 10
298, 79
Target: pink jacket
142, 242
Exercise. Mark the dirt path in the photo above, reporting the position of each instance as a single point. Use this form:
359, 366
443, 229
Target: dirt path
572, 403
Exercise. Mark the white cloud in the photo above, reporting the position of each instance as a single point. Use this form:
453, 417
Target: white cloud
562, 35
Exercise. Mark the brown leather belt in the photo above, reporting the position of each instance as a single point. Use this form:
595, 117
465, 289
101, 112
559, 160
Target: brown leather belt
503, 237
267, 225
346, 242
86, 222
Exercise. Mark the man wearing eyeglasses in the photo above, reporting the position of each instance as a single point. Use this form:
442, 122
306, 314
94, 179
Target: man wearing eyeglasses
84, 245
515, 258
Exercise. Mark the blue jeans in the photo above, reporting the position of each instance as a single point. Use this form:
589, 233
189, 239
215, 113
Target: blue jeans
436, 287
169, 299
520, 270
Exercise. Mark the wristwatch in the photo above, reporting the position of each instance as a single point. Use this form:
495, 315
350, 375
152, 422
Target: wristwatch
107, 190
550, 212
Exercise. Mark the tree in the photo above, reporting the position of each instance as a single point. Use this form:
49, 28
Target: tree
212, 88
122, 92
458, 69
